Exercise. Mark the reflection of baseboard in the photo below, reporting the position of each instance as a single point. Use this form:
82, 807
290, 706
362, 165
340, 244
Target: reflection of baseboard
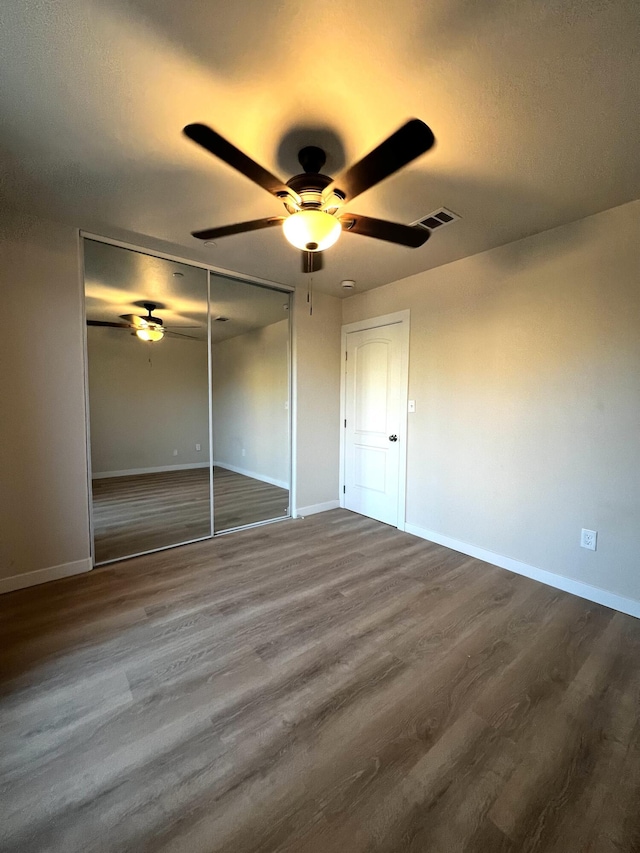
575, 587
254, 476
51, 573
159, 469
315, 508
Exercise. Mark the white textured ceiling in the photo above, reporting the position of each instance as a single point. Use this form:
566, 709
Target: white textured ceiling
534, 106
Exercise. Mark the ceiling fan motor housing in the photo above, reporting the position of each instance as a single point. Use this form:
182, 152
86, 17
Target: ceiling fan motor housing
309, 186
151, 306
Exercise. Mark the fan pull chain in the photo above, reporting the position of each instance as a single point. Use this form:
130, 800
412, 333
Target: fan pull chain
310, 295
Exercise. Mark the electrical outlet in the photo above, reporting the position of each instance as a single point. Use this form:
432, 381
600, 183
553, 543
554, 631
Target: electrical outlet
244, 452
198, 447
175, 452
589, 539
412, 406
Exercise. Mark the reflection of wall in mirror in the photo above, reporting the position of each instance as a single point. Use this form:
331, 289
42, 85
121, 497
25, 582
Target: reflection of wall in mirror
250, 393
146, 400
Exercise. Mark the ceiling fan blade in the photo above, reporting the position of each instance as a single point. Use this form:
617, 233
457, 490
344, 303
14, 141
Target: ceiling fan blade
410, 141
393, 232
134, 320
173, 334
228, 153
238, 228
110, 325
312, 261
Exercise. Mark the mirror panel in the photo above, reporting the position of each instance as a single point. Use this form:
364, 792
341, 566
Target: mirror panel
250, 355
148, 401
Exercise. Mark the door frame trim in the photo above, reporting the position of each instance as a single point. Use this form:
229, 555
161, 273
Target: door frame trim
401, 318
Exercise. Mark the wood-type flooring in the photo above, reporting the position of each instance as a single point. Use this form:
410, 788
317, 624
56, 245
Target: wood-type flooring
326, 685
142, 512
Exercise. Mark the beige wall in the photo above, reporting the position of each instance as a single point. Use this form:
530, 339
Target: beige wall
44, 506
250, 403
146, 400
525, 368
317, 381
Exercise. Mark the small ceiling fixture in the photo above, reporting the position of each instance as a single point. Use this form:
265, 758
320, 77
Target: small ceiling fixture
348, 284
150, 332
314, 202
311, 230
178, 275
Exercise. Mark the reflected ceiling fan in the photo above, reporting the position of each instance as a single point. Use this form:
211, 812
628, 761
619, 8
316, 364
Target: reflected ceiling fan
147, 328
314, 201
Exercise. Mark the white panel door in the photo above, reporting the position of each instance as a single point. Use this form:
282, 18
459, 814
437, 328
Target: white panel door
372, 430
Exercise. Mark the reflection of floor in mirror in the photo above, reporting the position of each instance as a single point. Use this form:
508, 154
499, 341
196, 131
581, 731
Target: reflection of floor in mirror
240, 500
146, 511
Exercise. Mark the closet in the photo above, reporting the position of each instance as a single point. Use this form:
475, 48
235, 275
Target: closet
188, 388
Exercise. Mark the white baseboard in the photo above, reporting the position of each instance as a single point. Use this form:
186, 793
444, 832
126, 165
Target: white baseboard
282, 484
158, 469
51, 573
583, 590
315, 508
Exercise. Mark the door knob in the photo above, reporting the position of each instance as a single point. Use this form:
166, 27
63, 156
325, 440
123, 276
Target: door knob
393, 438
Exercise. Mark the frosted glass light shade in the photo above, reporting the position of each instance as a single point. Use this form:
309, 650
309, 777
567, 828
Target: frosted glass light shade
150, 333
311, 230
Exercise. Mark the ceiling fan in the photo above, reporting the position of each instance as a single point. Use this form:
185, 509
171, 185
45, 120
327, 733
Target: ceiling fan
147, 328
314, 201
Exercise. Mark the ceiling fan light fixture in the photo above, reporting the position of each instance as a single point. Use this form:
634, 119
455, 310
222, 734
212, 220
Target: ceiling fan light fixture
150, 333
311, 230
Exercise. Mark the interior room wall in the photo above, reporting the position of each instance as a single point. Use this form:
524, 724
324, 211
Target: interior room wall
146, 400
250, 403
525, 368
317, 383
44, 519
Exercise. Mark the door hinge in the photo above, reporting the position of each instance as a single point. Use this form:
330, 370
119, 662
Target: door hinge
344, 490
345, 423
346, 356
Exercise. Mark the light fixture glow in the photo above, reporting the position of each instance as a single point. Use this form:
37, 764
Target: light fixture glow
150, 332
311, 230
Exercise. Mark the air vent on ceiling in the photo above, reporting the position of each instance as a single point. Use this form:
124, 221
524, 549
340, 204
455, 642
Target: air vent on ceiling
437, 219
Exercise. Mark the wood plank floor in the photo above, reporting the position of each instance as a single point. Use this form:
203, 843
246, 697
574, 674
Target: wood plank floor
142, 512
322, 685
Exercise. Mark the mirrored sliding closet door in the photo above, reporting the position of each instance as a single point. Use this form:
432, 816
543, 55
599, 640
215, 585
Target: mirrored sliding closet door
148, 383
179, 360
249, 403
